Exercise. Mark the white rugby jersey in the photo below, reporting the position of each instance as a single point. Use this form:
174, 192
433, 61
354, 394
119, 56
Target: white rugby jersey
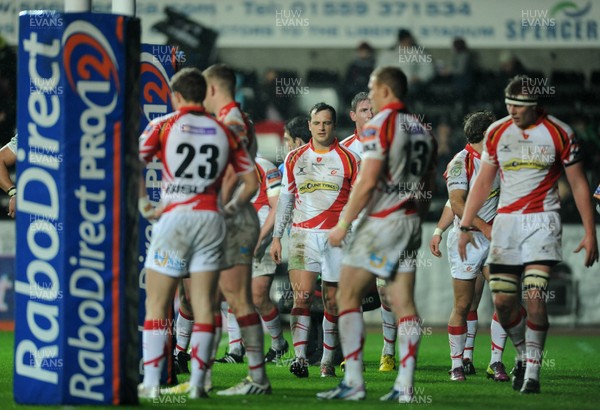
269, 179
459, 175
320, 182
237, 121
530, 162
194, 149
353, 144
409, 152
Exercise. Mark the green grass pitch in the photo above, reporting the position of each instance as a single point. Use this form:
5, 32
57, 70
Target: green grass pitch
570, 380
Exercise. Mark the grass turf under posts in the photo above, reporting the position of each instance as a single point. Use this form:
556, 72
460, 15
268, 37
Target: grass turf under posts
570, 380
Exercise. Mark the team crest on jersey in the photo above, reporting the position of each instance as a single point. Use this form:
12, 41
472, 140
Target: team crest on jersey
312, 186
319, 159
456, 169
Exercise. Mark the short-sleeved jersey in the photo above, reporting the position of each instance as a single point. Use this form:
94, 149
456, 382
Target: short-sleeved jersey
353, 143
320, 182
408, 151
530, 162
269, 179
194, 149
237, 121
12, 144
459, 175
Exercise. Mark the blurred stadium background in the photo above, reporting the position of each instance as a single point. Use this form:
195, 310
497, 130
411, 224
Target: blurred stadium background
291, 54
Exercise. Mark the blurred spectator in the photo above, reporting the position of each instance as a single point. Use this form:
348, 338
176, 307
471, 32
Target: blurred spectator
277, 105
510, 66
463, 70
416, 63
8, 99
359, 71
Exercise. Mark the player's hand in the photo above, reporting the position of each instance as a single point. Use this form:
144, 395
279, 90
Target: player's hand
487, 231
261, 247
336, 236
590, 245
276, 250
147, 210
464, 239
231, 208
434, 245
12, 207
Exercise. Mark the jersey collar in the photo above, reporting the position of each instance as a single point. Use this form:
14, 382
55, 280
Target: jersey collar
472, 151
223, 112
333, 145
192, 108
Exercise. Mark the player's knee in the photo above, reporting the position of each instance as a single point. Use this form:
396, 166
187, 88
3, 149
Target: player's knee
503, 285
535, 279
462, 307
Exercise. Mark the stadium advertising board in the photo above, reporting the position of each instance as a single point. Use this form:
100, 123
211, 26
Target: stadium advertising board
344, 23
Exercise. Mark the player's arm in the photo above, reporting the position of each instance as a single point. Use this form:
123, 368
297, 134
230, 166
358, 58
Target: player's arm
458, 199
581, 193
243, 195
479, 193
228, 184
283, 214
361, 193
445, 221
8, 160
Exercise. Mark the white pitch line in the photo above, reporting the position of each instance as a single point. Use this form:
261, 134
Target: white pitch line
586, 347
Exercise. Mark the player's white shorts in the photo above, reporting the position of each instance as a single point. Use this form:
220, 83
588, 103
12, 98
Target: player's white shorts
243, 229
310, 251
385, 246
475, 256
265, 265
518, 239
184, 242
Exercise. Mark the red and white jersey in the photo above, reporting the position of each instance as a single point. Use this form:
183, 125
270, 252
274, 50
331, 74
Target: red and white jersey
237, 121
408, 151
530, 162
194, 149
320, 182
269, 179
353, 144
459, 175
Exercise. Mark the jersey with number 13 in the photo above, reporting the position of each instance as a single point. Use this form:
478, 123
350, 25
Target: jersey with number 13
408, 151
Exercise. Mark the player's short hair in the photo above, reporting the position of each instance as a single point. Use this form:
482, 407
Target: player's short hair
224, 75
358, 98
297, 127
190, 83
521, 90
475, 124
322, 107
394, 78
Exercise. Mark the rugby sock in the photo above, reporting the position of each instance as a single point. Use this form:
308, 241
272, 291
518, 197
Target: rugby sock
388, 323
352, 339
330, 337
409, 335
234, 333
457, 336
218, 330
471, 333
273, 324
154, 350
202, 345
300, 325
535, 337
183, 331
498, 335
252, 334
516, 332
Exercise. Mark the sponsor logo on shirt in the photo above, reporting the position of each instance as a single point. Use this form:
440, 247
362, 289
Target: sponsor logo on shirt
312, 186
